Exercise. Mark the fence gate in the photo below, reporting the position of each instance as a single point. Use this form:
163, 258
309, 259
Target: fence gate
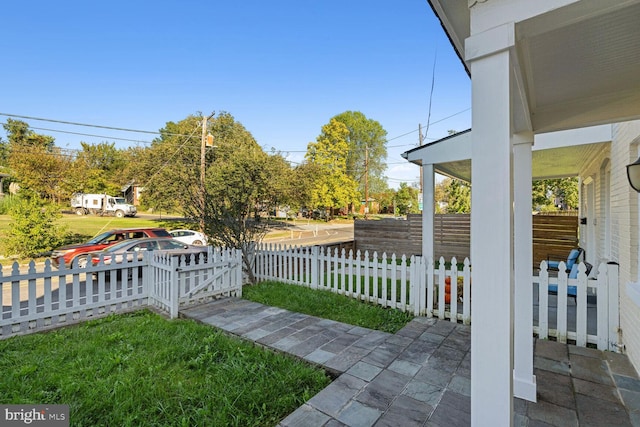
179, 280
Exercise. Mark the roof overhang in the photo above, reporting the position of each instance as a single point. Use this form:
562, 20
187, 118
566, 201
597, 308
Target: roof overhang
578, 62
555, 155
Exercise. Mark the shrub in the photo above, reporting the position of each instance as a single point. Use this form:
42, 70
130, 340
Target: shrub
33, 230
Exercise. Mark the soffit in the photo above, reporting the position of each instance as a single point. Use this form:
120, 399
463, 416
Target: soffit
579, 64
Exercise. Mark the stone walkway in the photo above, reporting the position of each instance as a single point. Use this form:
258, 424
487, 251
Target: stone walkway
420, 376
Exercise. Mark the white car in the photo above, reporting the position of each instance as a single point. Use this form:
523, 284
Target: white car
189, 237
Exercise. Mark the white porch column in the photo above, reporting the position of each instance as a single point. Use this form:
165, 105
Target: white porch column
491, 228
524, 382
428, 210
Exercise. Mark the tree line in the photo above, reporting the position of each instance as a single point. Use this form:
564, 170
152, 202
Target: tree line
242, 182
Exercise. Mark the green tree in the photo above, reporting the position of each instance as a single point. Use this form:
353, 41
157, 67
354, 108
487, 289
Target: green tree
33, 229
241, 180
459, 197
35, 162
549, 193
4, 154
333, 187
169, 169
385, 200
367, 153
97, 168
407, 199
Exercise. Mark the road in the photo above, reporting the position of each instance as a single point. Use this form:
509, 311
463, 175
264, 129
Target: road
311, 234
299, 234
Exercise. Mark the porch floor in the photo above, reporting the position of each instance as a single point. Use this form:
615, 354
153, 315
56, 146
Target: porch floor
420, 376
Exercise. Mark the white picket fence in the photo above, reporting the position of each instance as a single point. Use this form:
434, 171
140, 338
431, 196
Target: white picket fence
413, 285
591, 317
34, 299
405, 284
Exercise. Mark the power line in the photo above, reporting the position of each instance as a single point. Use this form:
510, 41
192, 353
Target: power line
188, 136
89, 134
88, 125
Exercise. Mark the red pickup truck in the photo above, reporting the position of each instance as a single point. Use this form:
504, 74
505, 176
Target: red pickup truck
66, 255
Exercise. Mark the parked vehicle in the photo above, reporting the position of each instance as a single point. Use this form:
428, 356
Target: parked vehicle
65, 255
189, 237
101, 204
135, 249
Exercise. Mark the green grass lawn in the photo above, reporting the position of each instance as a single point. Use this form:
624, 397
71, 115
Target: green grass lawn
140, 369
327, 305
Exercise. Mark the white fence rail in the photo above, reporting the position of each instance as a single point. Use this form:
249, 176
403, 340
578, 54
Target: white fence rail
413, 285
405, 284
33, 299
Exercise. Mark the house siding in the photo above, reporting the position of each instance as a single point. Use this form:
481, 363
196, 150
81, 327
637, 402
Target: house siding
624, 232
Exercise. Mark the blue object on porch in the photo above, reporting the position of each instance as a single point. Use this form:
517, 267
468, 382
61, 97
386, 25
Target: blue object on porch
571, 260
572, 291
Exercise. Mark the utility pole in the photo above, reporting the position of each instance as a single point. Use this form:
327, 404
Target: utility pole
366, 181
420, 141
207, 141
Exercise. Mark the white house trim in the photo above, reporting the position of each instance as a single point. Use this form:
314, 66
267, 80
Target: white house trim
510, 45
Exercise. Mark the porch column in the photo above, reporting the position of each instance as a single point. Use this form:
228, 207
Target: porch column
491, 228
428, 210
524, 382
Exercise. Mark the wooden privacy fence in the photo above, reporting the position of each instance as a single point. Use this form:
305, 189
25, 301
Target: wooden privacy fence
553, 236
451, 235
34, 299
408, 284
413, 284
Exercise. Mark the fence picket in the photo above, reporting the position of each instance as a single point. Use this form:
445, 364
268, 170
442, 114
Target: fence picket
430, 287
367, 287
394, 281
543, 302
453, 290
581, 303
561, 306
403, 283
384, 265
442, 272
466, 293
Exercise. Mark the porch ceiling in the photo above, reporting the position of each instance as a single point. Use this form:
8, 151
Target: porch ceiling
546, 164
579, 65
555, 155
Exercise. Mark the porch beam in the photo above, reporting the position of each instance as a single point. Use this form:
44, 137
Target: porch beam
524, 382
428, 211
492, 235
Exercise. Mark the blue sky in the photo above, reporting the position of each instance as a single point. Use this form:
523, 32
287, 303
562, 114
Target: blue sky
281, 68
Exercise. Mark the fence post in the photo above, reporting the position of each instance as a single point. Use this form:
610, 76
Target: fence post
604, 342
146, 273
174, 290
314, 267
466, 293
430, 286
614, 306
238, 271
